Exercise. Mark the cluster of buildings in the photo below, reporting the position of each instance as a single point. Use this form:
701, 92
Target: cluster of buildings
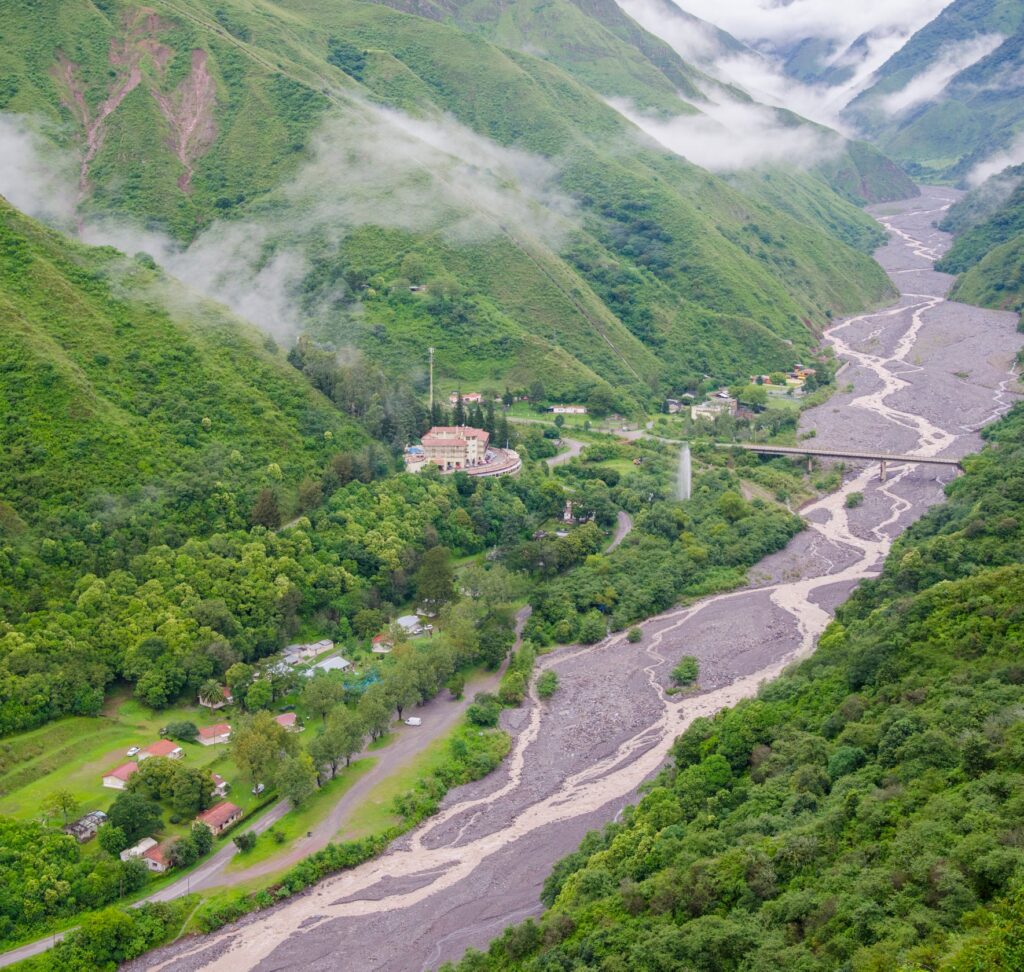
719, 403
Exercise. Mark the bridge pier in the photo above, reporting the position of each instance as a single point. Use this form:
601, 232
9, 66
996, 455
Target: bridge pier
881, 474
810, 465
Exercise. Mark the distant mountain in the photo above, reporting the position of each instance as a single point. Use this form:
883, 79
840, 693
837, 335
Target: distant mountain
954, 94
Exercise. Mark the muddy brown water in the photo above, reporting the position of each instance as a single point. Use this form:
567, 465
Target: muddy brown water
925, 375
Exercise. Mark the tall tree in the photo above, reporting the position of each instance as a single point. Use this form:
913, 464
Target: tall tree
322, 693
297, 778
265, 511
258, 744
459, 412
435, 578
61, 802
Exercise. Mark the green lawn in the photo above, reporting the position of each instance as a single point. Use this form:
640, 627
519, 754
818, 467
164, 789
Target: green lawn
303, 819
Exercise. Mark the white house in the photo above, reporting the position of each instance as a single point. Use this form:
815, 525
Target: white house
410, 624
569, 409
296, 654
147, 843
333, 664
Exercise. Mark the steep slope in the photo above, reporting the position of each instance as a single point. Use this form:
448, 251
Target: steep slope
227, 120
951, 97
863, 812
988, 251
128, 400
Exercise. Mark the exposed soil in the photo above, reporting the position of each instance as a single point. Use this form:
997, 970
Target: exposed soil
577, 759
189, 112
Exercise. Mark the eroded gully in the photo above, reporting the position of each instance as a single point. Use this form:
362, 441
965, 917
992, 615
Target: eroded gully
922, 377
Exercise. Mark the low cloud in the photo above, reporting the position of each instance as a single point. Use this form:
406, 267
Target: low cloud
930, 83
997, 162
860, 37
33, 178
731, 136
368, 167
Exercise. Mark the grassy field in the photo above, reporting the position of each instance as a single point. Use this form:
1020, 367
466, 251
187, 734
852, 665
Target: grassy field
73, 754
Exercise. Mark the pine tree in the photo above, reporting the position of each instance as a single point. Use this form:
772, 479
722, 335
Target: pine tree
459, 414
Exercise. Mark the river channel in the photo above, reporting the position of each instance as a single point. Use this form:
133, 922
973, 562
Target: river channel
921, 377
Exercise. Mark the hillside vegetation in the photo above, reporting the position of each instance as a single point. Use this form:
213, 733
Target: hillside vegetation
597, 258
988, 250
944, 134
863, 812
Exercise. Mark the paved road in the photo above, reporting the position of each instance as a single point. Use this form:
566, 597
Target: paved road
575, 448
622, 528
440, 715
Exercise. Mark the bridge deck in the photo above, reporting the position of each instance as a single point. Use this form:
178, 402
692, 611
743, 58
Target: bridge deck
776, 450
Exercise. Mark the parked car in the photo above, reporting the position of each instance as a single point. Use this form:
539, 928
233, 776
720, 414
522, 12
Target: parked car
258, 789
414, 721
134, 751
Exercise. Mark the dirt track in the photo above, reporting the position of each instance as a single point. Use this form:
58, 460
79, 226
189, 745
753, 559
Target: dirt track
578, 759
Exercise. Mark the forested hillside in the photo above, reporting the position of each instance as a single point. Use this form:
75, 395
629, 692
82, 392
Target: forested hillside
988, 250
864, 812
528, 213
950, 97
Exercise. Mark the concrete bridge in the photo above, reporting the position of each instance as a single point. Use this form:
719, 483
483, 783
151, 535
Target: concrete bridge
883, 458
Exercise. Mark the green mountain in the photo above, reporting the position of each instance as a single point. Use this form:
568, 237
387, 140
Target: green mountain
951, 97
988, 250
863, 811
369, 150
134, 411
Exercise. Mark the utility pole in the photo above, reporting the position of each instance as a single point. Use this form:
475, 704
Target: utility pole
431, 350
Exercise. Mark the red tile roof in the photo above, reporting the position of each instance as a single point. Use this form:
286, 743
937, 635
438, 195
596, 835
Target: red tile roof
458, 431
286, 719
218, 815
123, 771
156, 854
219, 729
162, 747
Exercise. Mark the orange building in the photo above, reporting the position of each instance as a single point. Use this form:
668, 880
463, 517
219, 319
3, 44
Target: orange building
455, 446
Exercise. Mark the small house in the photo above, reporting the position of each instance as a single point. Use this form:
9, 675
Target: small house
296, 654
288, 721
468, 398
410, 624
216, 702
568, 409
84, 828
215, 735
220, 785
156, 859
147, 843
333, 664
163, 747
220, 816
118, 779
381, 644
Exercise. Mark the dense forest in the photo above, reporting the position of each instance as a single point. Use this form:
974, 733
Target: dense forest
864, 812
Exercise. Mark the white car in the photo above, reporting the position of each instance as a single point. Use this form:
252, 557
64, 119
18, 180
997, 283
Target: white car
258, 789
134, 751
414, 721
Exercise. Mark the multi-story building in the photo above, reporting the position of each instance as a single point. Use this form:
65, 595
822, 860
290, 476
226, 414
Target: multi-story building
455, 446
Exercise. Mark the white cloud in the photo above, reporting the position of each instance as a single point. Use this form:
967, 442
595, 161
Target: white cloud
930, 83
33, 180
728, 137
995, 163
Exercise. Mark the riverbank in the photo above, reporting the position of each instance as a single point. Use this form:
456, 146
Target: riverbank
579, 758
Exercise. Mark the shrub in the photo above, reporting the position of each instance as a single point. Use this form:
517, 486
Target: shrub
547, 684
634, 635
854, 500
245, 842
686, 672
186, 731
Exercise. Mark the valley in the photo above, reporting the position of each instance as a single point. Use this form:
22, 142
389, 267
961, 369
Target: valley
921, 376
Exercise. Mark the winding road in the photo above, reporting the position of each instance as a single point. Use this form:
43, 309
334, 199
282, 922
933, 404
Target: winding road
925, 375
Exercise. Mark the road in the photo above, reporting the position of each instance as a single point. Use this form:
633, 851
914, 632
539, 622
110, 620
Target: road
622, 528
578, 759
575, 448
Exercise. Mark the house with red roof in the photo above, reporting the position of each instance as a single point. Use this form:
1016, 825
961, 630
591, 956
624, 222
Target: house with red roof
117, 779
288, 721
220, 816
220, 785
214, 735
156, 858
162, 747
